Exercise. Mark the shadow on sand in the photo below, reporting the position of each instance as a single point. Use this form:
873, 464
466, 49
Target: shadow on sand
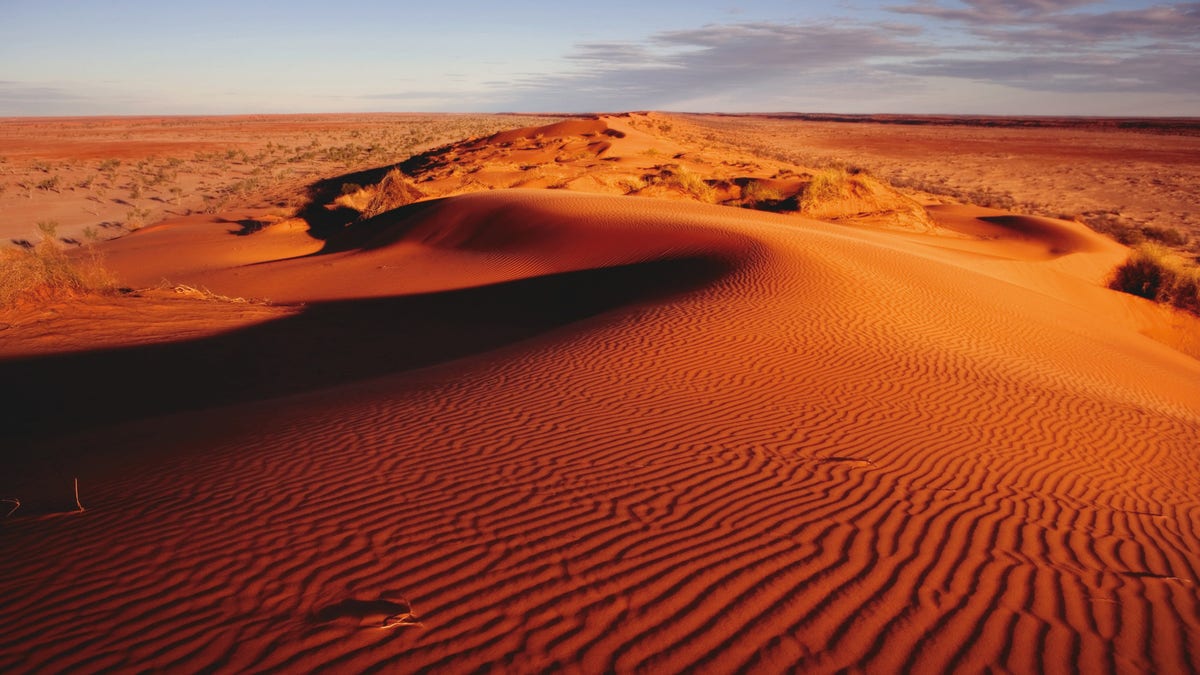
325, 344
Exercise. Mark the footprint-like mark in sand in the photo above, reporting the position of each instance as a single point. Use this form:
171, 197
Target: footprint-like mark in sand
860, 462
380, 613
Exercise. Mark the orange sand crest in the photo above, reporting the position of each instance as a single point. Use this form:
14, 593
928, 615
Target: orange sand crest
597, 429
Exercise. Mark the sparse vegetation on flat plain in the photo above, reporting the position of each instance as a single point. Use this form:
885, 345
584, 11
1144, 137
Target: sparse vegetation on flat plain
214, 166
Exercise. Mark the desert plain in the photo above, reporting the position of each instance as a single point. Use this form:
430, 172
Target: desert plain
633, 392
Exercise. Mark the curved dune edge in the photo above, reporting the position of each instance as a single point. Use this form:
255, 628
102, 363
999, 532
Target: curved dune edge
849, 449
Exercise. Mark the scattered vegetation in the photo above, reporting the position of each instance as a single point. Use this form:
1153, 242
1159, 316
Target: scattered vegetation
1155, 273
45, 271
1113, 224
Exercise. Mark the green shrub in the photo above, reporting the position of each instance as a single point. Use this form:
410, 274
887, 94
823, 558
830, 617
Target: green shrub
1154, 273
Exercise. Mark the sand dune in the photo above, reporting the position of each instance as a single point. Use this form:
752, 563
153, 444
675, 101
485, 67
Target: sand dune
540, 429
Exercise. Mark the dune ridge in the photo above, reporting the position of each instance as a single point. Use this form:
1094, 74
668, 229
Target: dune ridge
825, 449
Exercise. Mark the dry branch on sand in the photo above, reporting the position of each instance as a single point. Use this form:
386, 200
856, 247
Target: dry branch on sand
15, 502
204, 294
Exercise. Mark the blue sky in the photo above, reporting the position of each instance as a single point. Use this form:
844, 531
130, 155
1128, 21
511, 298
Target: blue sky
1090, 57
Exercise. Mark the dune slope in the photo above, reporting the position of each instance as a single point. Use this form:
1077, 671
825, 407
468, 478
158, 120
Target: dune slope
605, 433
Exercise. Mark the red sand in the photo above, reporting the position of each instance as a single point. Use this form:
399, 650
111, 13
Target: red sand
529, 430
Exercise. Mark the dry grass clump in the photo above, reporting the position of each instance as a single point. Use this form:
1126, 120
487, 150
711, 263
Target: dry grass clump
631, 184
828, 186
852, 195
1153, 272
394, 191
46, 272
756, 192
682, 178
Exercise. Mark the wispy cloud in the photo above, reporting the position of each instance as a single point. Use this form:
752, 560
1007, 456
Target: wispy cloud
1062, 20
22, 98
1055, 45
990, 11
1149, 73
684, 65
1066, 46
65, 98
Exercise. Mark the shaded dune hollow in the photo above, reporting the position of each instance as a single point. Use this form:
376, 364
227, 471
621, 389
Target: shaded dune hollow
541, 430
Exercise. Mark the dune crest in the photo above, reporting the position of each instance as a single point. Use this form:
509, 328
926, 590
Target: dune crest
631, 155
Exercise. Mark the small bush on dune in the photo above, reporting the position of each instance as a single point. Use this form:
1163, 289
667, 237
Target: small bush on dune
631, 184
828, 185
1154, 273
46, 272
394, 191
684, 179
756, 192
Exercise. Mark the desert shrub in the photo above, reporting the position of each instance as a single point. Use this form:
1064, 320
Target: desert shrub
827, 185
1166, 235
136, 218
394, 191
1154, 273
45, 271
350, 188
684, 179
50, 183
631, 184
755, 192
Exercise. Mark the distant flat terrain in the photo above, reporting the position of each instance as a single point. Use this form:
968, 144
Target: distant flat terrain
1115, 174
